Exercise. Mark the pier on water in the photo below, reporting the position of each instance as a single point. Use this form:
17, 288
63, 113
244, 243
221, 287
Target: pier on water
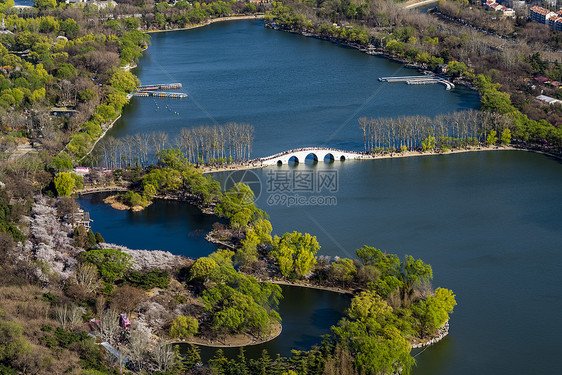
155, 91
160, 86
419, 80
160, 94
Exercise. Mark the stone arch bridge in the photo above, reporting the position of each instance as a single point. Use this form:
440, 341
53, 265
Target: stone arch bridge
317, 153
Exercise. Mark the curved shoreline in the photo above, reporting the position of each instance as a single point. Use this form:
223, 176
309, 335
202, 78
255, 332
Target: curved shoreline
332, 289
210, 21
240, 340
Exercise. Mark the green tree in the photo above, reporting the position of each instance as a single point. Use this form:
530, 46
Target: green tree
203, 269
5, 5
248, 252
343, 270
111, 264
12, 345
491, 139
237, 205
234, 311
184, 327
64, 183
262, 228
457, 68
506, 137
428, 144
368, 305
388, 264
152, 279
61, 163
99, 238
434, 311
416, 272
124, 81
295, 252
70, 28
377, 346
45, 4
491, 98
192, 357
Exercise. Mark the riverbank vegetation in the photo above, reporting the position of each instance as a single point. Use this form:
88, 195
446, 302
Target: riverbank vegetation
202, 145
459, 130
64, 81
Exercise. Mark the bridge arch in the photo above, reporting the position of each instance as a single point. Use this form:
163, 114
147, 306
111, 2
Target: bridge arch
342, 158
311, 156
329, 158
293, 159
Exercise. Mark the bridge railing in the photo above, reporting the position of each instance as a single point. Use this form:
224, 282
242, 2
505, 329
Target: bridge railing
306, 149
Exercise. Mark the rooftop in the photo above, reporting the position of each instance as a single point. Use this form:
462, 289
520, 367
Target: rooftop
540, 10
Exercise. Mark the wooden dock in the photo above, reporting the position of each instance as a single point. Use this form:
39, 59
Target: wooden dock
155, 91
160, 86
419, 80
160, 94
402, 79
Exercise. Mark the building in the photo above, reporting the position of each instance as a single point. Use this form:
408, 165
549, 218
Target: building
492, 5
555, 22
549, 100
541, 15
79, 218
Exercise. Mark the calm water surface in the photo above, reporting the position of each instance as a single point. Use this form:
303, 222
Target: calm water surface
165, 225
488, 223
307, 315
295, 91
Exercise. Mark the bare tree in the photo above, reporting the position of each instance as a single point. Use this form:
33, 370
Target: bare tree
108, 325
137, 348
68, 316
86, 275
163, 356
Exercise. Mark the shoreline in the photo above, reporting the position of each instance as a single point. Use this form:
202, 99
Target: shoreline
397, 155
331, 289
369, 50
210, 21
100, 137
233, 341
412, 4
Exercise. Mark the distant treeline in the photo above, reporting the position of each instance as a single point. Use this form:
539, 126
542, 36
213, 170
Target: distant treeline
457, 129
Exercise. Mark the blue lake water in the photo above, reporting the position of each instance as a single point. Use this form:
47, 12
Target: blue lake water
295, 91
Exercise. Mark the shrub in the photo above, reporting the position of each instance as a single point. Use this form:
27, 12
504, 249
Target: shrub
184, 327
153, 279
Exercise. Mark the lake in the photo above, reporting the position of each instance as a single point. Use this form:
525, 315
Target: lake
488, 222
